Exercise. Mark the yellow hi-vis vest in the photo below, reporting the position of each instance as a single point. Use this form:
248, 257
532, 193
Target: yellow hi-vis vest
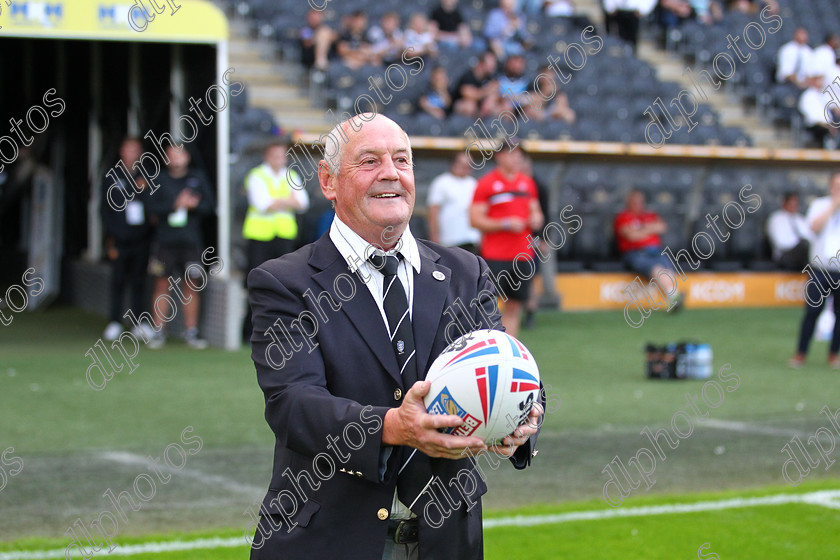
268, 225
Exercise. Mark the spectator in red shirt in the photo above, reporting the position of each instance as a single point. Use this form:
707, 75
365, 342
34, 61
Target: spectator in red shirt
637, 234
505, 210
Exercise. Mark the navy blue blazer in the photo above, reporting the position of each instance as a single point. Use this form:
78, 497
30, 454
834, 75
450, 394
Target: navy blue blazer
326, 366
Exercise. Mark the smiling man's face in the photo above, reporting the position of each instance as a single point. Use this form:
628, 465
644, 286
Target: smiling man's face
373, 190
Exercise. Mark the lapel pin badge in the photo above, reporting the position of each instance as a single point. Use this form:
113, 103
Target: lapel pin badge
438, 275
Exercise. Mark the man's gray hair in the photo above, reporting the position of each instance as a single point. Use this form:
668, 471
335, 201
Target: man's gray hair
334, 144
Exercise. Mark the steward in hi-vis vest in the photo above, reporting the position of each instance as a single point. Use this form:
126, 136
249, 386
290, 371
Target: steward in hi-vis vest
270, 225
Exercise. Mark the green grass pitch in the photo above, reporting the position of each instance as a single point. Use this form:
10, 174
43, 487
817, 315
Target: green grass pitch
76, 443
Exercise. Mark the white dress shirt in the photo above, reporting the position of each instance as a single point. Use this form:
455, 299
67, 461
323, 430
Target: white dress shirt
785, 229
794, 59
356, 251
826, 243
812, 105
454, 196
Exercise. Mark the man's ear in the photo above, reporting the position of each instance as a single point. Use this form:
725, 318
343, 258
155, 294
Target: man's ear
326, 180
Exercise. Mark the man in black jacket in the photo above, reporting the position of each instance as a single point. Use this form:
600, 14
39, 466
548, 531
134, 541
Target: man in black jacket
179, 205
127, 238
335, 382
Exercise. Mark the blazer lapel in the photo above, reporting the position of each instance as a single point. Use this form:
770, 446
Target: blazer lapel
430, 289
361, 309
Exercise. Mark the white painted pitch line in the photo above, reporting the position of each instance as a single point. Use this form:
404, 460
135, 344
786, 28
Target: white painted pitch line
821, 498
748, 428
133, 549
125, 458
825, 498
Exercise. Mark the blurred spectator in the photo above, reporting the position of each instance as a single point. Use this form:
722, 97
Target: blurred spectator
477, 91
127, 239
751, 7
387, 38
420, 36
506, 31
624, 17
794, 60
512, 80
179, 205
671, 13
815, 113
789, 234
637, 234
450, 197
823, 218
707, 11
451, 31
270, 225
353, 46
317, 41
437, 101
824, 59
558, 8
557, 106
529, 320
506, 209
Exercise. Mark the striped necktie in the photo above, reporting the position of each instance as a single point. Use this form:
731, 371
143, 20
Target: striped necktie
396, 308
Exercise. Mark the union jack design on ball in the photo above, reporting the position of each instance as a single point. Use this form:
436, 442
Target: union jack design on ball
486, 378
483, 348
523, 381
519, 351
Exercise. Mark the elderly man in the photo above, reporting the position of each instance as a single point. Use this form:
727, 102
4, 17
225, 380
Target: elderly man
345, 329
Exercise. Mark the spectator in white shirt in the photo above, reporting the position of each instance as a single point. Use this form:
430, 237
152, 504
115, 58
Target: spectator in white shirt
824, 275
789, 234
626, 14
824, 59
450, 197
794, 60
816, 112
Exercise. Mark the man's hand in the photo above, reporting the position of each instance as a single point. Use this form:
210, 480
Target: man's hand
411, 425
514, 224
187, 199
521, 434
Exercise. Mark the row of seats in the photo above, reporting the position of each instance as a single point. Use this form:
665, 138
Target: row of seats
609, 94
754, 80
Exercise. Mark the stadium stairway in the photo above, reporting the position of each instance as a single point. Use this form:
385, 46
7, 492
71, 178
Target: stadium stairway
731, 111
273, 84
670, 68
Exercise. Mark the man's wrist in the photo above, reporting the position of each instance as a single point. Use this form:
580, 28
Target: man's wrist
389, 436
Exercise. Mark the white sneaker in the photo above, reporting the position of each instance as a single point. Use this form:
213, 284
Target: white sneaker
157, 340
112, 331
143, 332
193, 340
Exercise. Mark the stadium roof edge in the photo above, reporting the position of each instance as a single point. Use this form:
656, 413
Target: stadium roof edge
193, 21
628, 151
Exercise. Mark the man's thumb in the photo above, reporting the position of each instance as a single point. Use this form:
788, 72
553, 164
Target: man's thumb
420, 389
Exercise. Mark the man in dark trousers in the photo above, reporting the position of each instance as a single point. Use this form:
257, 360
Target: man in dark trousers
179, 205
127, 238
342, 372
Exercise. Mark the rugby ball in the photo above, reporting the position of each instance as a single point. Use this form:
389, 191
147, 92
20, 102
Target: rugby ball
489, 379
